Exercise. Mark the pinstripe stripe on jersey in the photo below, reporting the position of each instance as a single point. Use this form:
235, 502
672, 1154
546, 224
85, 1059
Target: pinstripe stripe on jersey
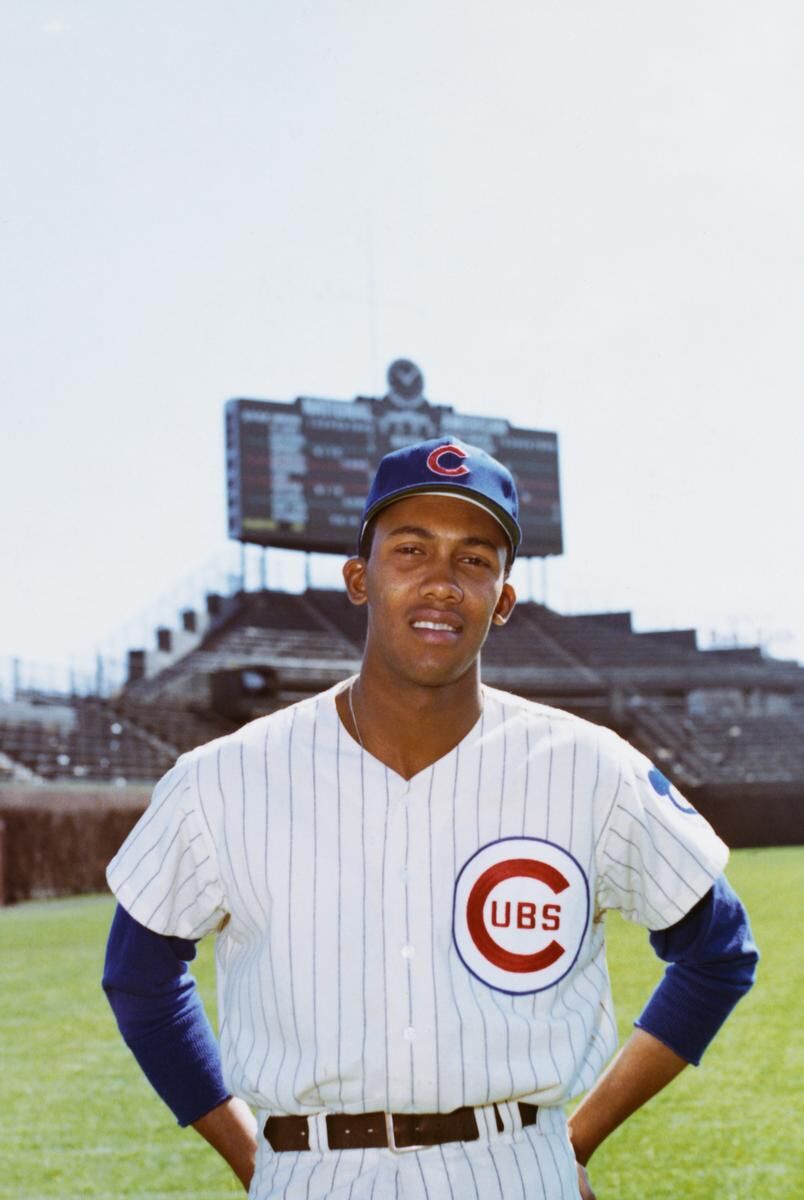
660, 854
164, 793
433, 974
158, 866
255, 1001
408, 966
278, 1024
640, 873
191, 843
502, 791
314, 947
499, 772
470, 983
547, 832
292, 878
683, 847
364, 946
339, 908
384, 937
526, 775
605, 823
452, 951
237, 1023
520, 1029
144, 881
523, 1003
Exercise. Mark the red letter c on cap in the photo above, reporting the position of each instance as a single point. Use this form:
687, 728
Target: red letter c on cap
434, 460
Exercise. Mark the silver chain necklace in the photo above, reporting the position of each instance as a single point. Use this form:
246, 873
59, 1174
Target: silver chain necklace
352, 713
354, 718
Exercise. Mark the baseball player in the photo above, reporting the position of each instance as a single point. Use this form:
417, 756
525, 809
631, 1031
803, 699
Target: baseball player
407, 877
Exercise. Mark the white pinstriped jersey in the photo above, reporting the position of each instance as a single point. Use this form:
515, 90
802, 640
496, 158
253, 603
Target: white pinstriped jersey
413, 945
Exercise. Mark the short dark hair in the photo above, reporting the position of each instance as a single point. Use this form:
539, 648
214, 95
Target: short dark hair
367, 539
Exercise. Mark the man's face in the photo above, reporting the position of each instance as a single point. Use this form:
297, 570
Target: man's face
434, 581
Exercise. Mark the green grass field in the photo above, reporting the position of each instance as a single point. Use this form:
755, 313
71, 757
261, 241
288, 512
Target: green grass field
79, 1120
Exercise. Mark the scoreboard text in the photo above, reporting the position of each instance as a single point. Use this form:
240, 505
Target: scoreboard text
297, 474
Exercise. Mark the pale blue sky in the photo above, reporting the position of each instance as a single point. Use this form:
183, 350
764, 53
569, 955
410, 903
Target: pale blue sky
584, 217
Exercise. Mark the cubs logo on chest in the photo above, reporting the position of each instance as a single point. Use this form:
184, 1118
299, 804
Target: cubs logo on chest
520, 914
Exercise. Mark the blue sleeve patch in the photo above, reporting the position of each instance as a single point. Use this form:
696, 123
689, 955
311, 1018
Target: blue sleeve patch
663, 787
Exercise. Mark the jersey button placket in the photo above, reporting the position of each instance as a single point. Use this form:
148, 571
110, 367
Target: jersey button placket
401, 1031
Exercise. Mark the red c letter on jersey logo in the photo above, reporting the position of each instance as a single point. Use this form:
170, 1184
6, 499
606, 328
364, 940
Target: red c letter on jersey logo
520, 914
434, 460
506, 959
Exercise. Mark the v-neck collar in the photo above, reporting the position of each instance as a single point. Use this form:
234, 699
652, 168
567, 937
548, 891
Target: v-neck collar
400, 780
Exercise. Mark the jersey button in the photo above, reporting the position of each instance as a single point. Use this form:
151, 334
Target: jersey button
409, 1033
408, 951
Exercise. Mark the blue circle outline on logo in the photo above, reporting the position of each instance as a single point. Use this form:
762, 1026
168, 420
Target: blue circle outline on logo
584, 935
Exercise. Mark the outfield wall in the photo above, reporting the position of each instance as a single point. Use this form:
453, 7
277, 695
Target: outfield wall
753, 814
57, 840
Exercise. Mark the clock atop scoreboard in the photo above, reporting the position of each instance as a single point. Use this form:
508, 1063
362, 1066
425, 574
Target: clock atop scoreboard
297, 473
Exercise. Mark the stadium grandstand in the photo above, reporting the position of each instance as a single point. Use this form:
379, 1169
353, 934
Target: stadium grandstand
726, 726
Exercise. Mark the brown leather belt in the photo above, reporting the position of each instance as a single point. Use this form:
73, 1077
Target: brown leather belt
397, 1131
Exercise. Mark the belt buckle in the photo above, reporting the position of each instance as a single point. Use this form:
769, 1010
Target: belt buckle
389, 1133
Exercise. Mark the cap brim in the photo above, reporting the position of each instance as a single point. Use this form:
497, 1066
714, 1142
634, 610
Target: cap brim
509, 527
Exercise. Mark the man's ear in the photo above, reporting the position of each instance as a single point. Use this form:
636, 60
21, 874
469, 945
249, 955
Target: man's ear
505, 605
354, 576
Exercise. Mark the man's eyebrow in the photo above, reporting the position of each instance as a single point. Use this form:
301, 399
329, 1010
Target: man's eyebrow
414, 530
420, 531
480, 541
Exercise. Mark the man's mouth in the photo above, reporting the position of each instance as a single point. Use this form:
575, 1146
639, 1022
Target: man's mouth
437, 627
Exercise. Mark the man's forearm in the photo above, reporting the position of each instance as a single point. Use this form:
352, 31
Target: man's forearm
232, 1131
641, 1069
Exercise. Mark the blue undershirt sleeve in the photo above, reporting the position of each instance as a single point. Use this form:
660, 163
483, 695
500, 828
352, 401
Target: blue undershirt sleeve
712, 957
159, 1012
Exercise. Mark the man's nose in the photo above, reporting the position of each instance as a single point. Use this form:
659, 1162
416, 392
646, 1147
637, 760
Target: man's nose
441, 583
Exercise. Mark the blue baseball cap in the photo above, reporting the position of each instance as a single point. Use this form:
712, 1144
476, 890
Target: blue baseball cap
451, 466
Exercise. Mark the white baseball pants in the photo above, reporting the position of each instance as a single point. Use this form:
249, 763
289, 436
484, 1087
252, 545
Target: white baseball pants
536, 1163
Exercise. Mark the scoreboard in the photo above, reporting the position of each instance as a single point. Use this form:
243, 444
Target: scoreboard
297, 473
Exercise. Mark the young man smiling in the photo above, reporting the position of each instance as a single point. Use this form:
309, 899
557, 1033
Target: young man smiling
433, 576
408, 876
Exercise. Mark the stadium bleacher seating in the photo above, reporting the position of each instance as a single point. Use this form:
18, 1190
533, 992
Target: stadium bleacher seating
526, 640
596, 664
340, 614
176, 730
727, 749
98, 746
601, 643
